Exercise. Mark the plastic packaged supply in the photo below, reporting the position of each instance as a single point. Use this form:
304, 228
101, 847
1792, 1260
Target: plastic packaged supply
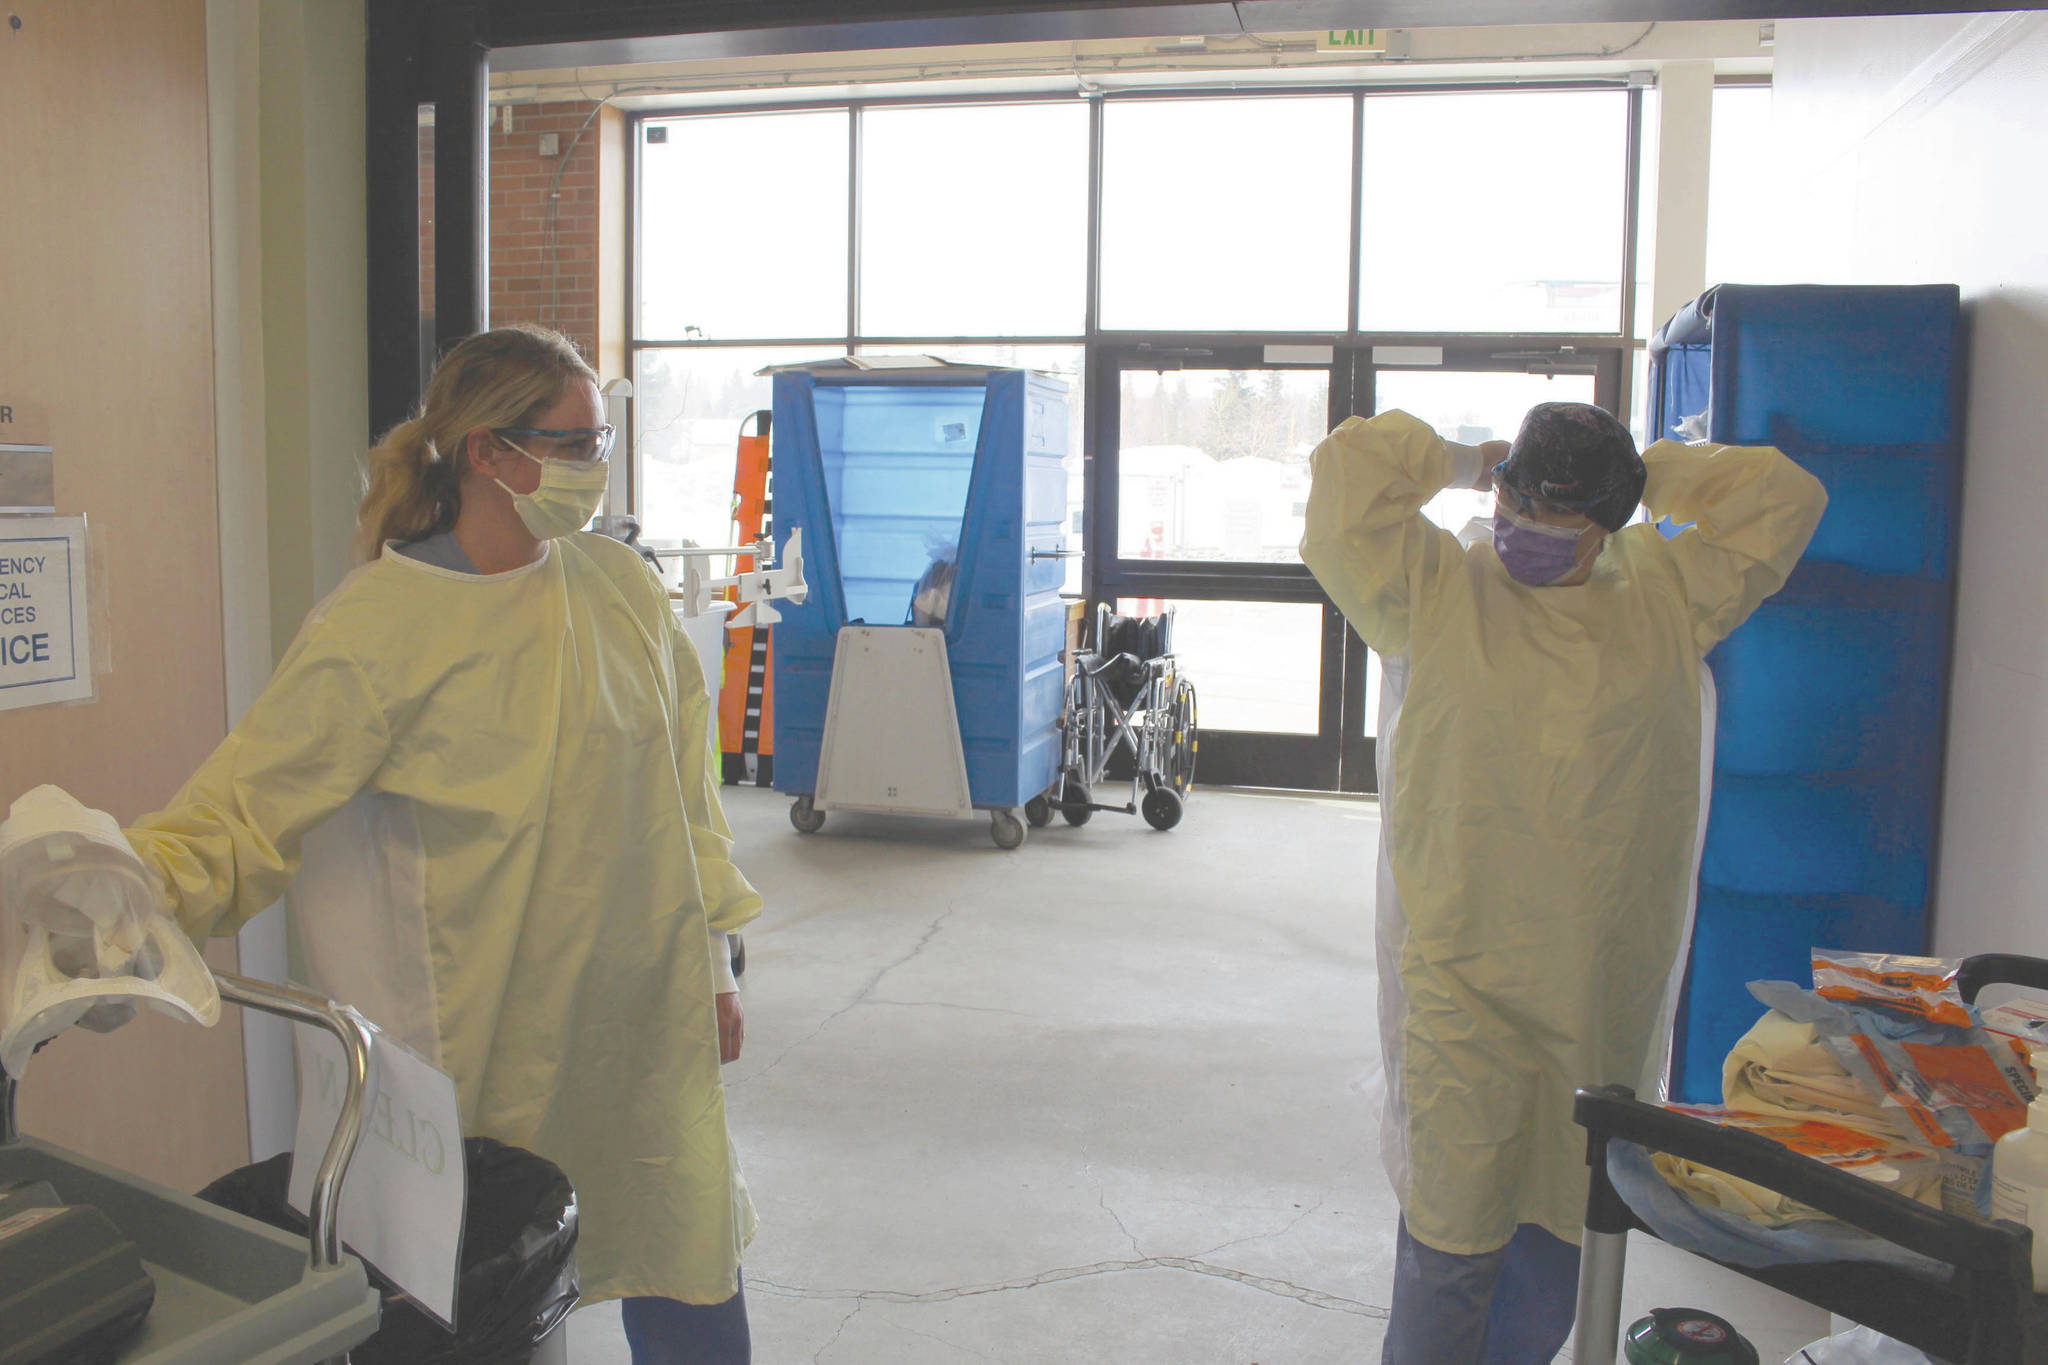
2019, 1178
2022, 1018
1922, 988
1914, 1171
1964, 1094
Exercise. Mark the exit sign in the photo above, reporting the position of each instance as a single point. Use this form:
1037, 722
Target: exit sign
1352, 40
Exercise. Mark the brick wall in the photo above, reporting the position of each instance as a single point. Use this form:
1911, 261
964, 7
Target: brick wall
541, 270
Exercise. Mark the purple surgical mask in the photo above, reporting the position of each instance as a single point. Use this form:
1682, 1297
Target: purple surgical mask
1533, 553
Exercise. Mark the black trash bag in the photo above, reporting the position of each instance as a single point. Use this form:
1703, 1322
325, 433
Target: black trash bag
518, 1275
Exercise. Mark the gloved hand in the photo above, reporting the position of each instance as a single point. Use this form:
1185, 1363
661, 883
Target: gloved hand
82, 938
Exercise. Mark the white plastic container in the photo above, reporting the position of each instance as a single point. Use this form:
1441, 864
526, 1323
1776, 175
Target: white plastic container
2019, 1175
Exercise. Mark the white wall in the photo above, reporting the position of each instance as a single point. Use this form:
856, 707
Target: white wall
1911, 153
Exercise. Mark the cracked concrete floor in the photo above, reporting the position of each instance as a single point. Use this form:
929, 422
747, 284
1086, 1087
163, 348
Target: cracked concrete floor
1098, 1099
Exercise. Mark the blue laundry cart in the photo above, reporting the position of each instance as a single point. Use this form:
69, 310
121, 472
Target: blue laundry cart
1828, 754
923, 673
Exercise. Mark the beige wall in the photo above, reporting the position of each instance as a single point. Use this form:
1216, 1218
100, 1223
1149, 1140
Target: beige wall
1910, 152
109, 325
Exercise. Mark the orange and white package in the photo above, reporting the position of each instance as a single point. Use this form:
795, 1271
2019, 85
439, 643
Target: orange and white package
1965, 1095
1921, 988
1838, 1146
1910, 1169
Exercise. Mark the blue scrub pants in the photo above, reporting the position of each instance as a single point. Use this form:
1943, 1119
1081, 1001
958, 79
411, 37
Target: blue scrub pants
1508, 1307
670, 1332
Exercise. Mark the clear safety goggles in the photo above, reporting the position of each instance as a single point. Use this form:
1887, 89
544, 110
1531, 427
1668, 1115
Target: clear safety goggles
1526, 508
570, 443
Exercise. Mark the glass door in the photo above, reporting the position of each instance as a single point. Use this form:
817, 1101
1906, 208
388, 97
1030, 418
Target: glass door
1469, 395
1200, 485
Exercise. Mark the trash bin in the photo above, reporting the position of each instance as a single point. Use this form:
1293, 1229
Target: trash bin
518, 1271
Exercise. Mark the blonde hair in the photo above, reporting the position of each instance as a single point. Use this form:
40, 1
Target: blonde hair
506, 377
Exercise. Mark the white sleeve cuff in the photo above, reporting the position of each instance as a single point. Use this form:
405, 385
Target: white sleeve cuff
723, 982
1466, 464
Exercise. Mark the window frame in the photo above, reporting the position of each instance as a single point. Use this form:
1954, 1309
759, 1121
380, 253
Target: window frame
1340, 755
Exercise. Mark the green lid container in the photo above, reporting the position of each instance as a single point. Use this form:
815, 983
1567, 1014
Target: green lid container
1685, 1336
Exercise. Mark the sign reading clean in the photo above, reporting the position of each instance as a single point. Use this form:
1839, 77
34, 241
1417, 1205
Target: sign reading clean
402, 1203
45, 628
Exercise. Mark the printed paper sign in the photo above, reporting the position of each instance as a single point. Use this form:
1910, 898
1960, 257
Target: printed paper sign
402, 1201
45, 635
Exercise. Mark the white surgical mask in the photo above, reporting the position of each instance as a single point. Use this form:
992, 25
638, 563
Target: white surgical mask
569, 495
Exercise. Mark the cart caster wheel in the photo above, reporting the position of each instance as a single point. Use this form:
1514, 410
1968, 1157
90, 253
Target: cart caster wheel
738, 947
1074, 799
805, 815
1162, 808
1007, 829
1038, 810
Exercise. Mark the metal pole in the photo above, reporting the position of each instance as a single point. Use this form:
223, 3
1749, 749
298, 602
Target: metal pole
1602, 1258
345, 1024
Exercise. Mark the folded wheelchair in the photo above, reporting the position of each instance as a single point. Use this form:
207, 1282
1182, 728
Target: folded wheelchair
1126, 696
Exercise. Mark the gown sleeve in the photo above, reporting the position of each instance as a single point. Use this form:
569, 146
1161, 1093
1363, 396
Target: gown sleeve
730, 901
1366, 540
227, 845
1753, 511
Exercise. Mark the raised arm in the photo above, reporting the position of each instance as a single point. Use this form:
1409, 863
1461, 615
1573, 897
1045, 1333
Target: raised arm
1366, 539
1753, 511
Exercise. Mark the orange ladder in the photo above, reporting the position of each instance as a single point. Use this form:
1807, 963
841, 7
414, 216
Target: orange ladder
746, 701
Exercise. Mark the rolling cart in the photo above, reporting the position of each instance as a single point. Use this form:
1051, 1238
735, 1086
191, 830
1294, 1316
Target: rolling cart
1982, 1311
230, 1291
922, 676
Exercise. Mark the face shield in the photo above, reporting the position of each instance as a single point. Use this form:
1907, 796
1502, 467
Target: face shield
82, 940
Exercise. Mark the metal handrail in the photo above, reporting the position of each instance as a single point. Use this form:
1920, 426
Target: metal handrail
324, 1214
324, 1207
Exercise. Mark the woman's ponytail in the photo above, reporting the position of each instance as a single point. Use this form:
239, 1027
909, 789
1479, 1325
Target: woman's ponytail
410, 490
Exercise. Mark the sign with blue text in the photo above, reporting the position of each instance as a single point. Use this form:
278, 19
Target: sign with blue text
402, 1199
45, 627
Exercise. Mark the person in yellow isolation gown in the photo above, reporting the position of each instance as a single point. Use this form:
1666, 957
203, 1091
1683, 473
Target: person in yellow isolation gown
1540, 752
488, 748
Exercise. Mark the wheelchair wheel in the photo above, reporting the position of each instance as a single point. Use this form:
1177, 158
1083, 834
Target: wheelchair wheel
1038, 810
1161, 808
1182, 742
1074, 801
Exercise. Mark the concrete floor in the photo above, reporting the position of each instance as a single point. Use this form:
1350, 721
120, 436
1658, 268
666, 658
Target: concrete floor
1098, 1099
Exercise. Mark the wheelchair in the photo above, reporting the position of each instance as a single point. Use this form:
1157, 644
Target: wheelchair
1127, 695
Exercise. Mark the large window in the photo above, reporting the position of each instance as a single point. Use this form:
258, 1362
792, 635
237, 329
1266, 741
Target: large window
974, 220
691, 403
1213, 464
962, 230
742, 226
1226, 215
1494, 212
